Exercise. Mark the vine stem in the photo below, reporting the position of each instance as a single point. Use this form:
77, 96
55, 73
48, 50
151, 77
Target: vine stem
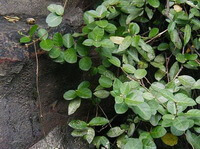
178, 72
65, 4
38, 92
157, 36
104, 115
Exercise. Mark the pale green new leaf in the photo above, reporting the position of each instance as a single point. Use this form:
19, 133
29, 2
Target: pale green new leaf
73, 106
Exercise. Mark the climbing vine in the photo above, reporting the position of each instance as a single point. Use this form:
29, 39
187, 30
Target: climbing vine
148, 59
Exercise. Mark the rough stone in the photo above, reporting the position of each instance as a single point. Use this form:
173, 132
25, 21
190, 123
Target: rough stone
20, 126
20, 107
33, 7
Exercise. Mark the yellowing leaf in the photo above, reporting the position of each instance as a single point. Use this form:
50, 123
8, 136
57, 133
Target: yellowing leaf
170, 139
117, 39
12, 19
178, 8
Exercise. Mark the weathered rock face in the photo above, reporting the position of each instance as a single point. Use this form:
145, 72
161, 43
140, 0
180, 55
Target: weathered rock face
33, 7
20, 127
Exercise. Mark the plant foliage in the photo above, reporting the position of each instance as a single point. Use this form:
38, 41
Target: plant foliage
149, 65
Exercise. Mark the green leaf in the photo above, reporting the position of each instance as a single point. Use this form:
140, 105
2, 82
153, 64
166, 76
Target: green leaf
131, 129
187, 34
25, 39
134, 98
163, 46
167, 94
186, 81
191, 57
68, 40
176, 132
149, 144
69, 95
143, 110
88, 42
180, 58
140, 73
70, 56
46, 45
181, 123
159, 74
102, 23
193, 139
128, 68
148, 96
153, 32
133, 144
73, 106
58, 40
146, 47
85, 63
134, 14
88, 18
121, 108
101, 141
107, 43
158, 132
82, 50
55, 52
78, 124
175, 38
193, 113
43, 34
101, 10
97, 34
110, 28
196, 85
53, 20
90, 135
98, 121
173, 70
149, 12
105, 82
155, 119
101, 94
115, 61
154, 3
115, 132
183, 100
33, 30
134, 28
171, 107
84, 93
58, 9
125, 44
198, 99
79, 133
84, 84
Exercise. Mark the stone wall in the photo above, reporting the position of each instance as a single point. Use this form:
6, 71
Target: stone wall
20, 126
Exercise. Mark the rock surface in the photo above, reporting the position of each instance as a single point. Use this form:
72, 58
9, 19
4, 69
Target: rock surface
20, 126
33, 7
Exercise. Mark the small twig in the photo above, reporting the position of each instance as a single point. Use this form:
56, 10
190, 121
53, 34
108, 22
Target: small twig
167, 9
65, 4
157, 36
178, 72
104, 115
147, 80
36, 40
197, 52
37, 79
38, 92
167, 66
